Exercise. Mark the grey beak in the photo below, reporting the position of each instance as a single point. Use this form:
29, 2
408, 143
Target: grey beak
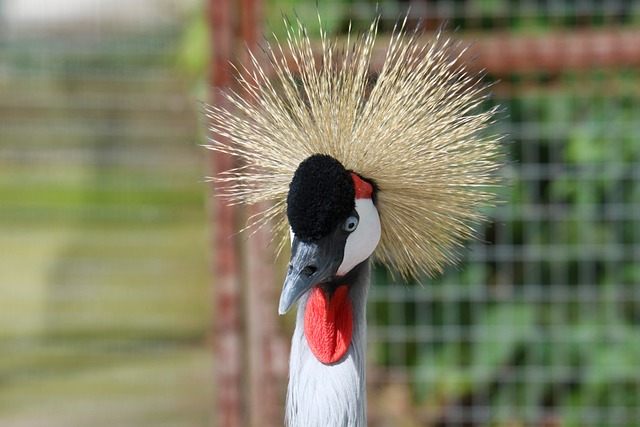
311, 263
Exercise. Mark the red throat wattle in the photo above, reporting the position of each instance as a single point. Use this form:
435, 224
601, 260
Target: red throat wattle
328, 324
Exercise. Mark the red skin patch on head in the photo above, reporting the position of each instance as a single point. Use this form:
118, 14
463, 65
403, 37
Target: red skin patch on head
328, 324
364, 190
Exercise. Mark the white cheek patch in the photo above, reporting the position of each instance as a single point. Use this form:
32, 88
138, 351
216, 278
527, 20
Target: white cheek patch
363, 241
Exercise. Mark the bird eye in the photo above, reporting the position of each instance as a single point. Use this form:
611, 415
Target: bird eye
350, 224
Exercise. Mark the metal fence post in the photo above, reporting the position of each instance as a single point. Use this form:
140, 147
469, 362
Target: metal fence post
228, 409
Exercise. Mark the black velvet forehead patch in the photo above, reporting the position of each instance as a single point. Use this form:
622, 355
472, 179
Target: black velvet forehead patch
321, 196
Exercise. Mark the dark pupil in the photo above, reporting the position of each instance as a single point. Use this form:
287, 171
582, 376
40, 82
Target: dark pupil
351, 224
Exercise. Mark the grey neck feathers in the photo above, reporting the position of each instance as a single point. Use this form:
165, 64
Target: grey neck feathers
334, 395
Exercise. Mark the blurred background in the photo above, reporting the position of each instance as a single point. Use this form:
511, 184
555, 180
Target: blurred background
112, 303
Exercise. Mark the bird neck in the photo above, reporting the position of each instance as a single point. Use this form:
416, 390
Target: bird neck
334, 393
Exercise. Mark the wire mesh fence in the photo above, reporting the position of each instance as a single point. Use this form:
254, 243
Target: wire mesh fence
104, 301
538, 326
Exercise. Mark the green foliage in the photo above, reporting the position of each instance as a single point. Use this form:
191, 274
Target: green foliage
334, 14
192, 55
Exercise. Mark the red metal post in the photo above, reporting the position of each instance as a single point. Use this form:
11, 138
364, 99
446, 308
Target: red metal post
248, 340
228, 410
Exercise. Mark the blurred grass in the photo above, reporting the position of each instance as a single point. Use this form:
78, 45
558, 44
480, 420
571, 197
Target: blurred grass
104, 285
160, 390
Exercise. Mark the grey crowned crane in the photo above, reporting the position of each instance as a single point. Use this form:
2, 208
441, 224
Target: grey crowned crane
394, 169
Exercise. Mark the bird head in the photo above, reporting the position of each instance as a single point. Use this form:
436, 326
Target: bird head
334, 225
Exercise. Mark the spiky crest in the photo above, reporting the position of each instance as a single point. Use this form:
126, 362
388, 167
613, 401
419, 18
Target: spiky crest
416, 131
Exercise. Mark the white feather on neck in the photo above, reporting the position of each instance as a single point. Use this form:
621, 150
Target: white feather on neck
334, 395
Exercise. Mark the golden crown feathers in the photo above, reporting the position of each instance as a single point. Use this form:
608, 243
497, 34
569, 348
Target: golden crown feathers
417, 130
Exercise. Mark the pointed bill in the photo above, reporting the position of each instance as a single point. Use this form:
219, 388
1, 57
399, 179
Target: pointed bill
311, 263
